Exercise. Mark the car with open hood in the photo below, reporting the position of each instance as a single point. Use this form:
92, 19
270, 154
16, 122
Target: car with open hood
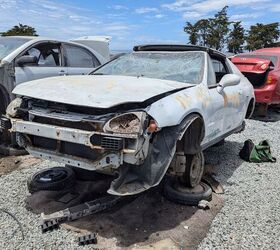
262, 68
139, 116
26, 58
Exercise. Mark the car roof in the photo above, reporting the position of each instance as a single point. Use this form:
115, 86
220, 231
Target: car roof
269, 50
178, 47
37, 38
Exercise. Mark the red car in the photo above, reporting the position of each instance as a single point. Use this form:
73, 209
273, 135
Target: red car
262, 68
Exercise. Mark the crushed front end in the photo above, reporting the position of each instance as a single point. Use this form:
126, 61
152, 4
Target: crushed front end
79, 136
127, 144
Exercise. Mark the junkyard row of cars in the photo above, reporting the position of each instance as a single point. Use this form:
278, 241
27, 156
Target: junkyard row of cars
141, 116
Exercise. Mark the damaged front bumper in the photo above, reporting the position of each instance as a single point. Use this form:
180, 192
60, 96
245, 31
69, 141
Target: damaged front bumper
72, 146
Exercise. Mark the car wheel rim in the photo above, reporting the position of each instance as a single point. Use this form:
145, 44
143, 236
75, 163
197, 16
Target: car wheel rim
196, 169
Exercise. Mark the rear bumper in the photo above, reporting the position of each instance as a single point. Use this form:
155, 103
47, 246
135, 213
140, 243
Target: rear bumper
267, 94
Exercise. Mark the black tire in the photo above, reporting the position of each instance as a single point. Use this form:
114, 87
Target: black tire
174, 191
194, 170
53, 179
86, 175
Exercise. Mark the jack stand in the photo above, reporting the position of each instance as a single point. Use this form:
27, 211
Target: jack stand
79, 211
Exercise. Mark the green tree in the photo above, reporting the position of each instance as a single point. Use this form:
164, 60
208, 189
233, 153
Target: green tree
262, 35
211, 32
218, 29
192, 30
236, 38
20, 30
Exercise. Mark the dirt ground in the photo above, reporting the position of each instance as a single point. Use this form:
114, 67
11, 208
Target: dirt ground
11, 163
148, 221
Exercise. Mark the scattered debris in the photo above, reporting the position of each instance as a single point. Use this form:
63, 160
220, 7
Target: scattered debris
203, 204
49, 225
81, 210
256, 153
15, 218
213, 183
87, 239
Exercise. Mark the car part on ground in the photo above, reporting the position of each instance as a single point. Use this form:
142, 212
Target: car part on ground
82, 210
215, 185
127, 124
87, 239
49, 226
57, 178
176, 192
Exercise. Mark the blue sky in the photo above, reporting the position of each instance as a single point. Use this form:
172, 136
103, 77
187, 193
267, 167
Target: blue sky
128, 22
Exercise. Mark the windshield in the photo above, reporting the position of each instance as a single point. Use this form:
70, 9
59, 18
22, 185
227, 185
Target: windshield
9, 44
176, 66
273, 59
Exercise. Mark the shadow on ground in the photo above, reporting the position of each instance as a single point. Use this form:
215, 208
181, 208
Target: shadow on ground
140, 221
223, 160
273, 115
148, 218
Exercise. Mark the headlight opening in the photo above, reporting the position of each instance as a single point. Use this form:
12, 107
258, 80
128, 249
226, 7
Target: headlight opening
12, 109
129, 123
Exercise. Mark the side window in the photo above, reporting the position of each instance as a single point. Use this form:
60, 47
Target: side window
75, 56
48, 54
220, 68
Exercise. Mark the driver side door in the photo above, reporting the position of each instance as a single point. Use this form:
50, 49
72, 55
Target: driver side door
49, 63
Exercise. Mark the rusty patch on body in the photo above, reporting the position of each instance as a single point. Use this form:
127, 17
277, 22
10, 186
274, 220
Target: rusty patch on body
184, 100
233, 99
203, 96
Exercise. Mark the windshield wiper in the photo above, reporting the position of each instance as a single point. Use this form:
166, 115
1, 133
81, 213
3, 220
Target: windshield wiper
98, 74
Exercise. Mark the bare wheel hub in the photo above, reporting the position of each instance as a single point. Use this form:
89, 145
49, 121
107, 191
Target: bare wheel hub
194, 170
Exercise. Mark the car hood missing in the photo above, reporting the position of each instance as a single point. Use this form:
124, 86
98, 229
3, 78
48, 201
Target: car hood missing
98, 91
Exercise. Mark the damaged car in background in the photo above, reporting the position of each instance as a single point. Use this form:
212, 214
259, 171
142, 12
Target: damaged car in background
138, 117
26, 58
262, 68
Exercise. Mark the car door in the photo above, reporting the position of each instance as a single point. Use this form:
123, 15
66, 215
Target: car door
231, 95
78, 60
214, 107
49, 62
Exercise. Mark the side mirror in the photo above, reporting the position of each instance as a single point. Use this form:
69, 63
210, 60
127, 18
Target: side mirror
23, 60
228, 80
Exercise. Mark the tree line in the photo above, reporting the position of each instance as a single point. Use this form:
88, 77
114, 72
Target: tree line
220, 33
20, 30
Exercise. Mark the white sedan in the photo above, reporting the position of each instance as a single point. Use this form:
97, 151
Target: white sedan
139, 116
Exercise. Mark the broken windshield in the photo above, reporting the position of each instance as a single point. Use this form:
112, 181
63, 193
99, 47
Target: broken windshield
9, 44
176, 66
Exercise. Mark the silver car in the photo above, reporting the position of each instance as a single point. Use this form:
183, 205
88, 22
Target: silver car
28, 58
139, 116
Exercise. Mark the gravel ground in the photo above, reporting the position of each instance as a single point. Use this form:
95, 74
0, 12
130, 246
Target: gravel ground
250, 216
248, 220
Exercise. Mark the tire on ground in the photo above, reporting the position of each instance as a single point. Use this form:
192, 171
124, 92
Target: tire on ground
53, 179
188, 197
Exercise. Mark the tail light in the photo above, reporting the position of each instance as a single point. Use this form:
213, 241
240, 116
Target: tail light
271, 79
261, 66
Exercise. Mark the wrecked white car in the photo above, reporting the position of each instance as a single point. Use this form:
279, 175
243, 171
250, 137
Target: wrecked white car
138, 116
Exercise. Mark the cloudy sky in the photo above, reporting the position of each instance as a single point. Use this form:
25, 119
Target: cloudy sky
129, 22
